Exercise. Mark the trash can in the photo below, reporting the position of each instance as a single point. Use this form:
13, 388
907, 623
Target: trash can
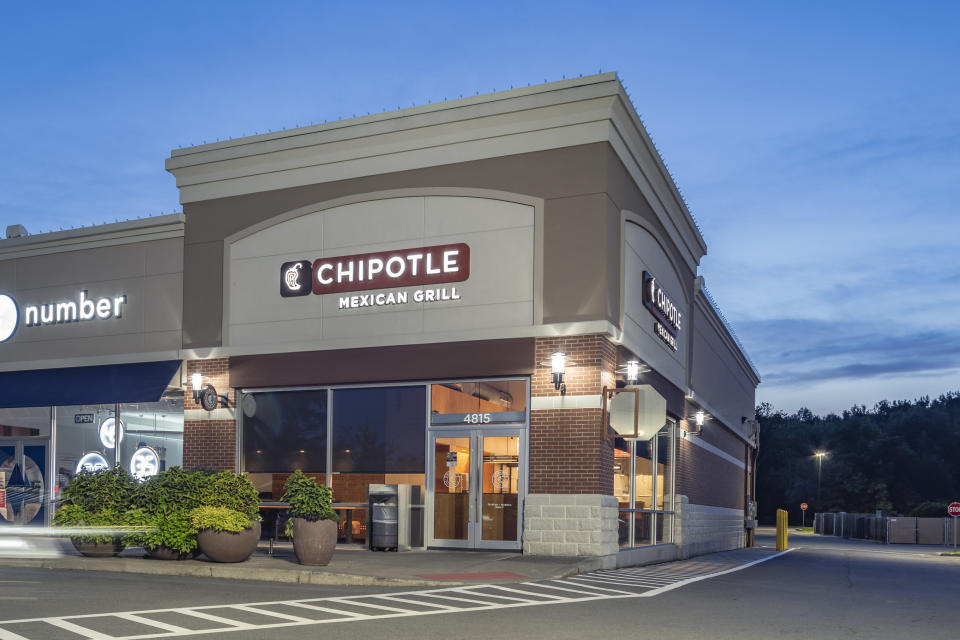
383, 528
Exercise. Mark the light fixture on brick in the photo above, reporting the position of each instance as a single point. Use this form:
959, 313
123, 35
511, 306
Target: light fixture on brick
206, 395
558, 364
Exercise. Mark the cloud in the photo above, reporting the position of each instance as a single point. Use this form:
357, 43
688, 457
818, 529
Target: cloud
798, 350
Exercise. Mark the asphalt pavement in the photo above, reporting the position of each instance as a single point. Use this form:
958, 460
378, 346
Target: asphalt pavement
822, 588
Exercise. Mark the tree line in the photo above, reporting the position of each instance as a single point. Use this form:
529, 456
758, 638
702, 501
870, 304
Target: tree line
902, 457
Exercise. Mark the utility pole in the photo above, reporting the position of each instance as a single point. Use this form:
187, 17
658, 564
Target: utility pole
820, 455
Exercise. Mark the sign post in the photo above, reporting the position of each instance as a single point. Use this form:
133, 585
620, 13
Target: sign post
953, 510
803, 514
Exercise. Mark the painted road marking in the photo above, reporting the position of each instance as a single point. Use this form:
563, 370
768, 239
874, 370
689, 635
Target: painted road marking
622, 583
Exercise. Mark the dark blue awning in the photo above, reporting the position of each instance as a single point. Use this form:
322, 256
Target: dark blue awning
103, 384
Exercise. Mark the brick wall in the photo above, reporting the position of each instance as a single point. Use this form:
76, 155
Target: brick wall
566, 453
591, 364
209, 443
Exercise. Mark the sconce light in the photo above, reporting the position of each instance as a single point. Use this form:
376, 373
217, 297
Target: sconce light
558, 364
700, 416
633, 372
206, 395
196, 381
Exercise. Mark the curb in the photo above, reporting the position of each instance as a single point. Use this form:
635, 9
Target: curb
143, 566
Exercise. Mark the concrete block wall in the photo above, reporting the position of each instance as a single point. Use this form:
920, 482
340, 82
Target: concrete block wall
703, 529
570, 525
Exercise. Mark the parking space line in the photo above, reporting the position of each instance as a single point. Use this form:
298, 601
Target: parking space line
494, 595
350, 600
132, 617
307, 605
592, 586
530, 593
77, 629
10, 635
267, 612
212, 618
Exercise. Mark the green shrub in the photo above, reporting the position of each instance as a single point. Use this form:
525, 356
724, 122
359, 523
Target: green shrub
105, 490
163, 503
173, 529
96, 499
219, 519
307, 499
71, 515
232, 491
171, 490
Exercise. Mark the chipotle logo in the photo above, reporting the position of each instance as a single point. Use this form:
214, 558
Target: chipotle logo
381, 270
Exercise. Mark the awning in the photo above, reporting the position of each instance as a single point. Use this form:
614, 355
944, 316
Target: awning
103, 384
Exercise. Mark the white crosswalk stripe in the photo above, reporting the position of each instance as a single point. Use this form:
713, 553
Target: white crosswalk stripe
599, 585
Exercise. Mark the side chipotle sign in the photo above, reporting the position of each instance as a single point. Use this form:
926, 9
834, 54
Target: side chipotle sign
423, 266
668, 318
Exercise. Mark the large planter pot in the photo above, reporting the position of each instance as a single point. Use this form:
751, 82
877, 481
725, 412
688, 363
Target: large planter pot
166, 553
98, 549
314, 542
227, 546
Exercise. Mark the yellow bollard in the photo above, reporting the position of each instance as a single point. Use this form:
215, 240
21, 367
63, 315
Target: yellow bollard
781, 530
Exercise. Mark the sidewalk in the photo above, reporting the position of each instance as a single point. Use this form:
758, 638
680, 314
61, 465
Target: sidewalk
349, 566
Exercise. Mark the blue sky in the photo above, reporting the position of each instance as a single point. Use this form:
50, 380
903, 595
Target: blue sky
817, 143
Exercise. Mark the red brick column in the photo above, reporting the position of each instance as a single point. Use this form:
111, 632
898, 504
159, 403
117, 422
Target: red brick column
566, 453
210, 440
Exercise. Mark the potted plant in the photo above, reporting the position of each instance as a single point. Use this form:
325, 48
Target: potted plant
96, 499
163, 504
312, 523
228, 521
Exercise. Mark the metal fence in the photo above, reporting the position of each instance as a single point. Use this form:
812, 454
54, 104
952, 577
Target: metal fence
886, 529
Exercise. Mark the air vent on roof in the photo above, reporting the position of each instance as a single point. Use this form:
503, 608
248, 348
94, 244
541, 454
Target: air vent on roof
16, 231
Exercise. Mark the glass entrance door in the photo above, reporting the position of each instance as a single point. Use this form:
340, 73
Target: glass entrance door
477, 486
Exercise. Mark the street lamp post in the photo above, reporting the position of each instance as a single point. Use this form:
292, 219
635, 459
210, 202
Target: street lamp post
820, 455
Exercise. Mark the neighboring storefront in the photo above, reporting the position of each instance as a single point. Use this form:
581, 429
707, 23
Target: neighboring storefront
443, 298
89, 331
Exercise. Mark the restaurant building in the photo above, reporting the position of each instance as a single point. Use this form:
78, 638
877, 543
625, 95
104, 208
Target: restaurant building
448, 297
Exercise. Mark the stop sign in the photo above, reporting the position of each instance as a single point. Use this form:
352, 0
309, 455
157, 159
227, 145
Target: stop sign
803, 505
954, 509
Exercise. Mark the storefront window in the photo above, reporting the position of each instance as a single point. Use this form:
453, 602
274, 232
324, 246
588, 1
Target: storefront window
621, 486
486, 402
666, 456
648, 508
151, 438
283, 431
379, 437
24, 452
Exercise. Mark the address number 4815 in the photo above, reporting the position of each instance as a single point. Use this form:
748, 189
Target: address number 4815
477, 418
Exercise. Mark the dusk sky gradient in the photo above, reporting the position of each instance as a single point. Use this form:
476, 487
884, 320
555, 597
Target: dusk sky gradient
816, 143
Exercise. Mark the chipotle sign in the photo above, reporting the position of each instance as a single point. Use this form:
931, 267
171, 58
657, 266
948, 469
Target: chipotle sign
422, 266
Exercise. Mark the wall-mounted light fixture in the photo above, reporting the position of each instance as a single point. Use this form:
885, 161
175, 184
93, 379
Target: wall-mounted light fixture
633, 372
196, 382
558, 363
695, 419
206, 395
